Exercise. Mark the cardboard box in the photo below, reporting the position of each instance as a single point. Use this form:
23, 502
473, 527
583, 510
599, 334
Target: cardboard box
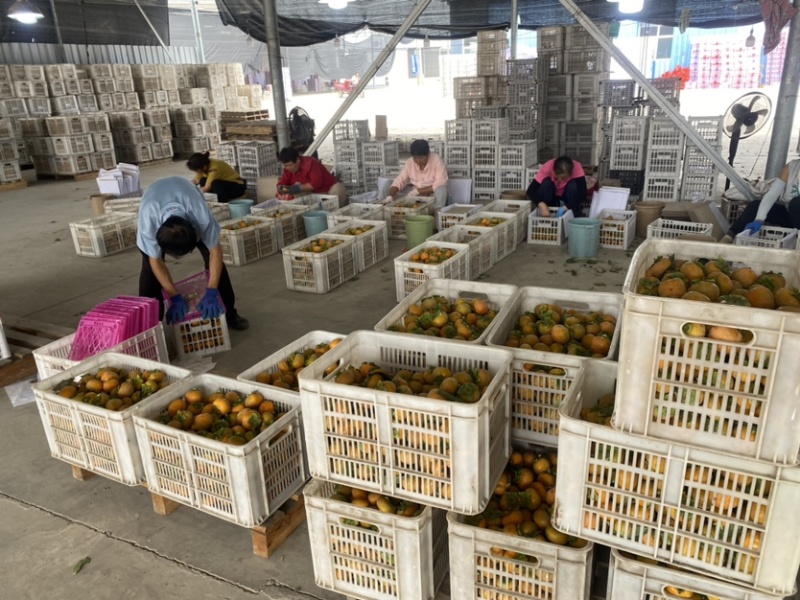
707, 212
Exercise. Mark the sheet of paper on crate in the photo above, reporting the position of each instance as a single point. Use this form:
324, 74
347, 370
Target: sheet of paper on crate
196, 364
21, 392
459, 190
124, 179
609, 198
565, 219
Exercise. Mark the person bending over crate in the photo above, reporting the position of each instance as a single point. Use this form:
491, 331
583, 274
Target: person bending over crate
560, 184
424, 174
216, 177
305, 174
174, 219
786, 191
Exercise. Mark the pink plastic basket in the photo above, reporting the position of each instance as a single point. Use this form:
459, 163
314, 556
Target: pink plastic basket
192, 289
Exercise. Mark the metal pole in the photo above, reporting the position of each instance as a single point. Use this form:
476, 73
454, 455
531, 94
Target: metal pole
276, 67
655, 95
198, 33
787, 101
514, 17
61, 51
418, 9
153, 29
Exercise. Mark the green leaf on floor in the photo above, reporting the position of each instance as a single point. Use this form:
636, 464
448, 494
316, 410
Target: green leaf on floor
80, 564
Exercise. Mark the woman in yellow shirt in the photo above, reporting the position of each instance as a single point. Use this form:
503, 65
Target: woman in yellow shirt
217, 177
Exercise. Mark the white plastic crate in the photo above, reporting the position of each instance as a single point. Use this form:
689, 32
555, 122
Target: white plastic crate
395, 213
9, 171
351, 130
485, 156
672, 502
480, 567
489, 131
702, 186
327, 202
496, 295
627, 157
708, 127
91, 437
520, 208
458, 130
455, 214
458, 154
769, 237
586, 109
240, 484
8, 150
546, 230
666, 229
481, 246
518, 155
122, 205
485, 180
396, 558
548, 39
559, 110
291, 227
505, 233
355, 210
662, 188
586, 60
732, 209
512, 179
559, 86
407, 445
104, 235
537, 389
53, 358
621, 93
578, 133
618, 228
371, 247
380, 152
409, 275
201, 337
249, 244
745, 405
319, 272
525, 68
270, 364
664, 161
631, 579
665, 134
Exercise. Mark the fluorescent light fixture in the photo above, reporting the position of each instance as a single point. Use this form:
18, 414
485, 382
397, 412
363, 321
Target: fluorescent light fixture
24, 12
630, 7
336, 4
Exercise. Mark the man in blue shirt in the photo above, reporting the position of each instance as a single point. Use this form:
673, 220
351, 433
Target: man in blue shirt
174, 220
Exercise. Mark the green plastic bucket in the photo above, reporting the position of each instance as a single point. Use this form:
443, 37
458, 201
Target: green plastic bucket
240, 208
316, 221
584, 237
418, 229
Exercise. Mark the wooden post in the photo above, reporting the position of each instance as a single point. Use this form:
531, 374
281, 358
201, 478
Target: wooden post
163, 506
267, 538
81, 474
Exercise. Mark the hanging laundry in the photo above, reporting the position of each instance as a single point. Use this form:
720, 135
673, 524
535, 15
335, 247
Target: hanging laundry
776, 14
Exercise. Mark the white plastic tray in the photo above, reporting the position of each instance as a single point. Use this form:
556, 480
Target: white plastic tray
443, 454
371, 247
409, 275
93, 438
666, 229
505, 239
319, 273
617, 229
769, 237
481, 245
240, 484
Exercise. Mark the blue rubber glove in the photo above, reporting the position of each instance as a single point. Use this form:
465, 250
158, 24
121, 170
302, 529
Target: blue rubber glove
177, 309
753, 227
294, 189
560, 212
211, 305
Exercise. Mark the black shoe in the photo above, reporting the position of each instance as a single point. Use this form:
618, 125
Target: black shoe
238, 323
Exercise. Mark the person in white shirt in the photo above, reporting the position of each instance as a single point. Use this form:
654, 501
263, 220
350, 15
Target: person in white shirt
780, 206
424, 174
174, 219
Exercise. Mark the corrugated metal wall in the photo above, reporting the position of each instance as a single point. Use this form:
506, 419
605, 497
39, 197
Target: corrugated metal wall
42, 54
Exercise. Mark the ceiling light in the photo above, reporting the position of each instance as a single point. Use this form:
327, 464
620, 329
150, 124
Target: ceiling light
336, 4
24, 12
750, 42
630, 7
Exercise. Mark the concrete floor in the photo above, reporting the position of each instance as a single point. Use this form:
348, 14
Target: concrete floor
49, 521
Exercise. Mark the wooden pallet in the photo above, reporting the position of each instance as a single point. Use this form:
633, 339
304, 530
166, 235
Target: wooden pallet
267, 537
73, 177
13, 185
23, 337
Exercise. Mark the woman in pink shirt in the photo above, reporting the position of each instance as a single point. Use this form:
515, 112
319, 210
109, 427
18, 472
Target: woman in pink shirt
424, 174
561, 184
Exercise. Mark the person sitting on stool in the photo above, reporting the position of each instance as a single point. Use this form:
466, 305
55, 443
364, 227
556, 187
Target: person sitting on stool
306, 174
786, 213
217, 177
560, 183
174, 219
424, 174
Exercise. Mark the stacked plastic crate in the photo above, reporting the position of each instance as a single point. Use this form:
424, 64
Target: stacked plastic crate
488, 88
348, 136
190, 127
487, 137
30, 90
11, 110
619, 98
628, 149
379, 158
662, 174
697, 467
700, 174
9, 155
670, 88
257, 159
525, 93
60, 145
458, 148
453, 66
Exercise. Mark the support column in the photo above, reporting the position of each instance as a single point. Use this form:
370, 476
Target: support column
787, 101
62, 53
276, 68
198, 32
514, 18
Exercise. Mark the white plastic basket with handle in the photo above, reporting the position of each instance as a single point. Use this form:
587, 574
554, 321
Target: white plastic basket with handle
768, 237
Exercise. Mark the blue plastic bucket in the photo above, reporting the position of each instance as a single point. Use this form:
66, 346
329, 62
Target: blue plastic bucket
584, 237
240, 208
315, 221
